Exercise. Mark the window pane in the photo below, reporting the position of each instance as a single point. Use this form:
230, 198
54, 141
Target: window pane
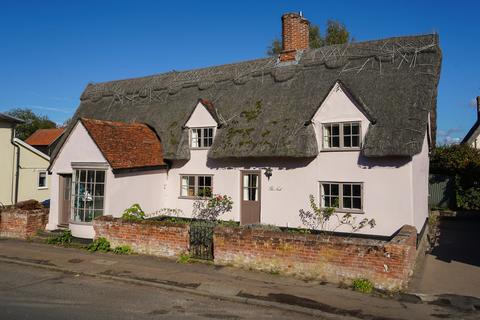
83, 175
347, 189
347, 129
335, 142
355, 141
100, 176
334, 189
355, 128
91, 176
357, 190
335, 130
357, 203
98, 203
347, 202
347, 141
326, 189
194, 142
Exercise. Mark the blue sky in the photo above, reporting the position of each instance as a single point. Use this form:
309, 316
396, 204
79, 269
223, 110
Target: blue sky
50, 50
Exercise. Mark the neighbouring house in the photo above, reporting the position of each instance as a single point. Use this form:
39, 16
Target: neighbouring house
45, 140
351, 124
23, 169
472, 138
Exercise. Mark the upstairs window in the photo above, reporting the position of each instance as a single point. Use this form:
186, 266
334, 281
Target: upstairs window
42, 180
201, 138
341, 135
344, 196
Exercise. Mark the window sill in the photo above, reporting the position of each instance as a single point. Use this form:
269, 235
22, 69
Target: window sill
339, 149
347, 211
193, 198
42, 188
205, 148
81, 223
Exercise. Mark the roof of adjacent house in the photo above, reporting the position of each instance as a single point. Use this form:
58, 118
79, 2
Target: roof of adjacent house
11, 119
126, 145
44, 137
265, 106
472, 133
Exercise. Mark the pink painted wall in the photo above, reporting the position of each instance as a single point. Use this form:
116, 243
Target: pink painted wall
420, 172
121, 190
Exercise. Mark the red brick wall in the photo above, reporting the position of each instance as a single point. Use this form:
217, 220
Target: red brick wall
388, 264
148, 237
22, 224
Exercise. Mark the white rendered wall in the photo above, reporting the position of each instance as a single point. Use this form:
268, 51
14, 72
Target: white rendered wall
420, 172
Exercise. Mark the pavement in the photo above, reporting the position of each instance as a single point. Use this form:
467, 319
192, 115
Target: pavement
314, 298
452, 268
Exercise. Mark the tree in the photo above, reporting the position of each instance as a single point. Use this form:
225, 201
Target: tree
32, 122
337, 33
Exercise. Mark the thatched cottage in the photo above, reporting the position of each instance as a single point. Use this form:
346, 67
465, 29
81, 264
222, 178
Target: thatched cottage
350, 124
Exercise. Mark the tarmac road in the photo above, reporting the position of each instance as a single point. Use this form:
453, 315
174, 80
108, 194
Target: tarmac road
32, 293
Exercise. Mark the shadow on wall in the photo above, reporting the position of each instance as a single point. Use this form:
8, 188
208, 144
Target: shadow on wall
382, 163
459, 239
247, 163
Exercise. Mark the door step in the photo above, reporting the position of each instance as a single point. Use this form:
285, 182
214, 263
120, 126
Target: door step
62, 226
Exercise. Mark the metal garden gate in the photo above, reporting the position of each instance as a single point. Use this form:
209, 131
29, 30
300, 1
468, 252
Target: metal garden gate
201, 240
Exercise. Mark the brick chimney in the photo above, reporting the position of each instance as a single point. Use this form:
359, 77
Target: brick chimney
294, 35
478, 107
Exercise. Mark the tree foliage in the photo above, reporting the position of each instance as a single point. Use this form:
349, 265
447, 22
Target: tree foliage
463, 163
336, 33
32, 122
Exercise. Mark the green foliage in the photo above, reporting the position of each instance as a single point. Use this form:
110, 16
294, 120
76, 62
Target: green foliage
337, 33
125, 249
210, 209
462, 162
63, 239
184, 258
32, 122
134, 213
100, 244
362, 285
328, 220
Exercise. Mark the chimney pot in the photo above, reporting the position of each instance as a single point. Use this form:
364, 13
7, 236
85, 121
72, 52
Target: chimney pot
295, 35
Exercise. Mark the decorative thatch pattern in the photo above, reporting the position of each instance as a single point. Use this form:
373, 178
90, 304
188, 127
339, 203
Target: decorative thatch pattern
265, 106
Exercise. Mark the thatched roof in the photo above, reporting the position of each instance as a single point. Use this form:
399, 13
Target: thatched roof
265, 106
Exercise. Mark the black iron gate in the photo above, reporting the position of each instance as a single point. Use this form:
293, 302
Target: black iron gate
201, 240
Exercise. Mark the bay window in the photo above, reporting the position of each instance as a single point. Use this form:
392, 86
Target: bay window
88, 194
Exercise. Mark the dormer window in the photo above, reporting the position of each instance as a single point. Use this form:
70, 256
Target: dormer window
201, 138
344, 135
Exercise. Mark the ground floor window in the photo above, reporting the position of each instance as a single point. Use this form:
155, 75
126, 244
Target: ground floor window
88, 194
196, 186
342, 195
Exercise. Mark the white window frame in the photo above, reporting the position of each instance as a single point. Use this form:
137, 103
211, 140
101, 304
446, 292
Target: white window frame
196, 185
341, 136
340, 207
46, 180
74, 193
201, 142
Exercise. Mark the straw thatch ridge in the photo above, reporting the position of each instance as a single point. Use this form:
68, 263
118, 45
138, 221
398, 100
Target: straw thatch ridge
265, 106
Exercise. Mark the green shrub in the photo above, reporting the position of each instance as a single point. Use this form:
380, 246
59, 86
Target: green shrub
184, 258
125, 249
63, 239
100, 244
134, 213
362, 285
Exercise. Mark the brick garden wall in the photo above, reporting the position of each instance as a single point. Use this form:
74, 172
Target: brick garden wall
156, 238
388, 264
22, 224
